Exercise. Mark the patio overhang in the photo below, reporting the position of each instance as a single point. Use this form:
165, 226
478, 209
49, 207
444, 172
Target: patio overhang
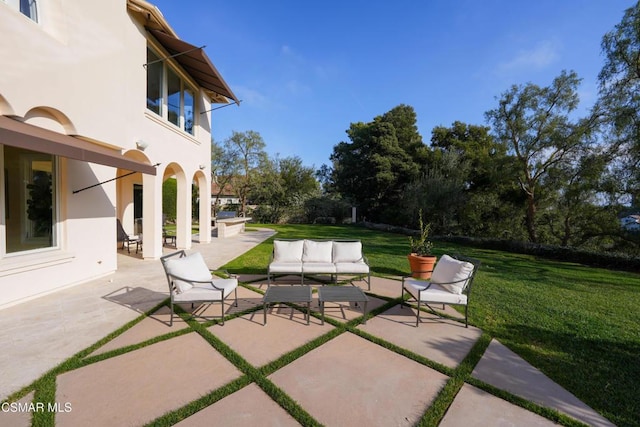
197, 64
29, 137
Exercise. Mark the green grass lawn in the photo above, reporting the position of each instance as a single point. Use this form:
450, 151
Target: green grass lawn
579, 325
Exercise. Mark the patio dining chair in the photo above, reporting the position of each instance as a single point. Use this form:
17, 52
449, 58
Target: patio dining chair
128, 240
450, 284
191, 281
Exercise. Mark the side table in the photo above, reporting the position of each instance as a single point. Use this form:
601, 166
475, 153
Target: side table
342, 294
285, 293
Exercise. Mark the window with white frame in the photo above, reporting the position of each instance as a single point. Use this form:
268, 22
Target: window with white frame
168, 94
30, 200
28, 8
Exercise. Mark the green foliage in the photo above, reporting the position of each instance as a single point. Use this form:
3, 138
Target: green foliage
373, 169
421, 245
281, 189
169, 198
331, 210
534, 123
248, 150
619, 100
40, 204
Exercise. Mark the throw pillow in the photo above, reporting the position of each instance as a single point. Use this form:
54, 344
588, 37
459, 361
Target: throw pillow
452, 270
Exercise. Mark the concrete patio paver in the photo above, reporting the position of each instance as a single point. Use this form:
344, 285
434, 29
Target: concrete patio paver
15, 416
248, 407
151, 327
504, 369
137, 387
474, 407
350, 381
346, 381
247, 299
90, 311
346, 311
441, 340
260, 344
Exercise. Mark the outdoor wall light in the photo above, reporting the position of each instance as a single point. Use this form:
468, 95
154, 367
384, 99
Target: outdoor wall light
202, 167
141, 145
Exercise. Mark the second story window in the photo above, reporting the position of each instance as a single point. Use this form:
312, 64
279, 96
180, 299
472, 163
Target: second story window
155, 80
29, 8
169, 95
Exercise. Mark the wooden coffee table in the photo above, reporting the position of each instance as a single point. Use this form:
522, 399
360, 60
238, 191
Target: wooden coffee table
284, 293
342, 294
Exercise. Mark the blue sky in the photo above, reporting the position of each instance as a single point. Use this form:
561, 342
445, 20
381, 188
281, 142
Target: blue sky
306, 70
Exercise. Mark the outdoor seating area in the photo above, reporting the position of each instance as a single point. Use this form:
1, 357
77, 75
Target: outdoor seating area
313, 257
282, 359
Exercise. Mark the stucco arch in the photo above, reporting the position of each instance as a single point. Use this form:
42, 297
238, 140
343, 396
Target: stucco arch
183, 203
139, 205
50, 118
203, 181
5, 108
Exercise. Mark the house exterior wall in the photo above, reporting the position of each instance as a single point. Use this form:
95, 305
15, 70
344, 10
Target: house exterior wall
79, 71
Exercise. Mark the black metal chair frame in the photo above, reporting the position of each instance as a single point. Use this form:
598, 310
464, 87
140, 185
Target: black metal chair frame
476, 265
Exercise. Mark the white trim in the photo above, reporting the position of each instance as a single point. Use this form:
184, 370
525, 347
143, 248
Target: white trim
22, 262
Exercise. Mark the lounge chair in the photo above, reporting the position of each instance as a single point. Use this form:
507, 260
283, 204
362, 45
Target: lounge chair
128, 240
191, 281
450, 284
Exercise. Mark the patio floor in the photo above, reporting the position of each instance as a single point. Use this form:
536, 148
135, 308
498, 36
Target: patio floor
197, 372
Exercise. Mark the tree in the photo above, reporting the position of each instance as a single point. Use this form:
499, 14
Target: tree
534, 124
282, 188
476, 146
248, 149
372, 170
225, 165
487, 203
620, 95
404, 121
577, 216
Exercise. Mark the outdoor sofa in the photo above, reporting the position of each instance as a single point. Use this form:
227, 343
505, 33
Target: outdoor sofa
310, 257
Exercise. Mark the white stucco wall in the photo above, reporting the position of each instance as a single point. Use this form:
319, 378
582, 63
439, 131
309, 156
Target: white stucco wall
83, 64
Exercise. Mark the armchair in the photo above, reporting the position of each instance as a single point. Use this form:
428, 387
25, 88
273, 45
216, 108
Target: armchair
128, 240
450, 284
190, 280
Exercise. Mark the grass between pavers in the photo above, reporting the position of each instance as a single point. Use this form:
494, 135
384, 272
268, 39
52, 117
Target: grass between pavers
45, 387
577, 324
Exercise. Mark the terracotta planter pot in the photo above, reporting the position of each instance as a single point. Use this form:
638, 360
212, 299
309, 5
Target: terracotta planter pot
421, 266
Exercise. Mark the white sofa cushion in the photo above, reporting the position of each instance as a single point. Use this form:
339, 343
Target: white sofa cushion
359, 267
287, 251
347, 252
452, 270
191, 267
318, 267
285, 267
317, 251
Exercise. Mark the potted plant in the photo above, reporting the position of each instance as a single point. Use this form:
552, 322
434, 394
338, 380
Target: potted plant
421, 260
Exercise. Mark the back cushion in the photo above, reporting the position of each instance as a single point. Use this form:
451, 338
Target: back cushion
287, 251
452, 270
347, 251
317, 251
191, 267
